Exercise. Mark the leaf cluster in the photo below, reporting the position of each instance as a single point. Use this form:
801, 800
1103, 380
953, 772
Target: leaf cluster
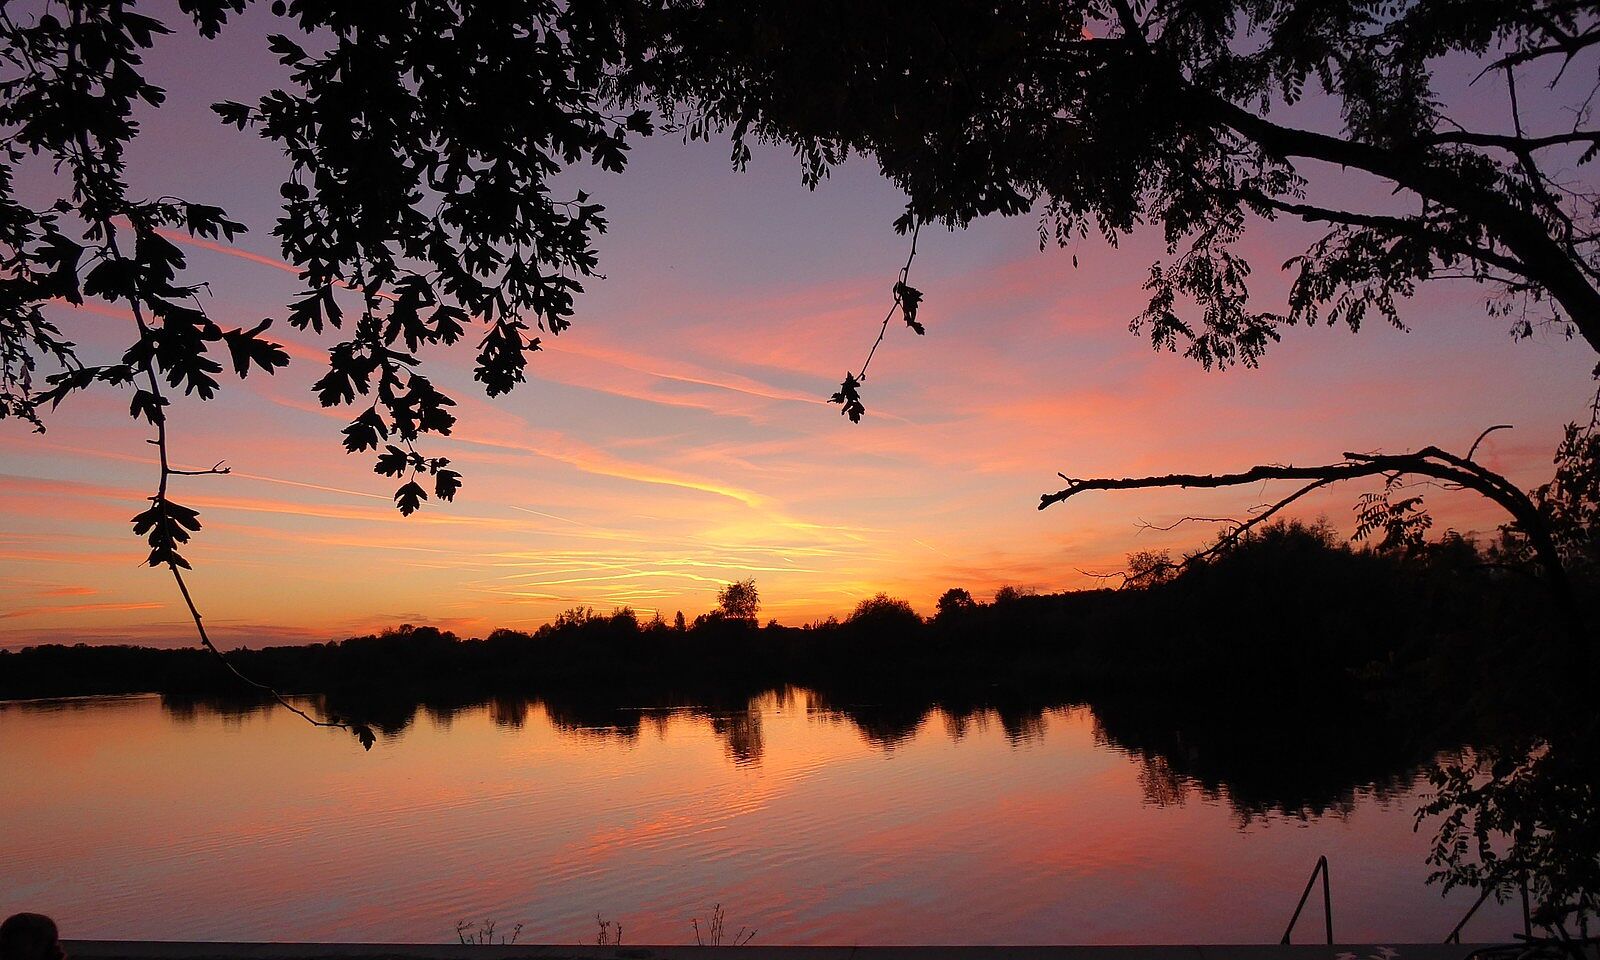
1524, 813
422, 141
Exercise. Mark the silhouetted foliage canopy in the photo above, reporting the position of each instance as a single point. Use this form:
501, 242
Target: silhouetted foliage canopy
1107, 114
423, 138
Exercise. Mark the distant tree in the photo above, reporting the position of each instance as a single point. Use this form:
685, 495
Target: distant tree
677, 622
573, 617
884, 612
739, 600
953, 602
1009, 594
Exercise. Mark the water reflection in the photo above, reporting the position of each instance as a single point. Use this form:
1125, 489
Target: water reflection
1285, 759
817, 817
1288, 756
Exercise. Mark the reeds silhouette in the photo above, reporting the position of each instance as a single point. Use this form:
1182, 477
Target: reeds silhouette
716, 928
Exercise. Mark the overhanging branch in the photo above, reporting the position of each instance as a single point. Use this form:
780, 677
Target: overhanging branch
1542, 257
1515, 144
1429, 461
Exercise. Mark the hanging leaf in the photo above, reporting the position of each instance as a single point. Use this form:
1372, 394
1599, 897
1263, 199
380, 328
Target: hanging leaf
849, 397
247, 347
909, 298
409, 498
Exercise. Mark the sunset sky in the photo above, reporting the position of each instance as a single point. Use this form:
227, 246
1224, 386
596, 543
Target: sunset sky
677, 437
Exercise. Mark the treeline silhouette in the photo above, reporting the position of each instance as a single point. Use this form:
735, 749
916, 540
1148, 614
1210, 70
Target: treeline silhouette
1285, 673
1287, 611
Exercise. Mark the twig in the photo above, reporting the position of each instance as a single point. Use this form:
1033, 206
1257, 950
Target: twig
1485, 433
883, 329
219, 470
1146, 525
362, 731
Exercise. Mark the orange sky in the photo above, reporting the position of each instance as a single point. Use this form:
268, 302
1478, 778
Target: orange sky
677, 438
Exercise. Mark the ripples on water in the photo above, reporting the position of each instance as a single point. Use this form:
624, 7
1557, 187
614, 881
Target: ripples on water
126, 818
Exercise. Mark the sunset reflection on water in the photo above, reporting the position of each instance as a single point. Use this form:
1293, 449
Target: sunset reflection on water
125, 819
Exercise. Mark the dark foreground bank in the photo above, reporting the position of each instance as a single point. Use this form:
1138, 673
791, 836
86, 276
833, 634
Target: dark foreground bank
156, 950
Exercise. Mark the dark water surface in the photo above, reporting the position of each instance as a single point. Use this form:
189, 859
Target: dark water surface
125, 818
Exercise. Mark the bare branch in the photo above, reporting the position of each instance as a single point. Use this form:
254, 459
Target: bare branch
1144, 525
1427, 462
218, 470
1113, 575
1485, 433
167, 471
1567, 47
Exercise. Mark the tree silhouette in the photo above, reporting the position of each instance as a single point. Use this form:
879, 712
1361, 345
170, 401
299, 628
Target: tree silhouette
885, 613
954, 602
739, 600
422, 137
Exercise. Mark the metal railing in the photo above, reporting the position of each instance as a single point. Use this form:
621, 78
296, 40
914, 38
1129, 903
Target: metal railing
1327, 901
1488, 889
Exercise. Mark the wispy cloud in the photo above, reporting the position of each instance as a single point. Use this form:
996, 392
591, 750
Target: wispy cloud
61, 608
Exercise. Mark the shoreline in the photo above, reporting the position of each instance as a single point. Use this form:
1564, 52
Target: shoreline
226, 950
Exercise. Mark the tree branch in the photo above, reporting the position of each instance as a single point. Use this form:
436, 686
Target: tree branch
1513, 143
1400, 226
218, 470
1566, 46
362, 732
905, 274
1487, 430
1543, 258
1427, 462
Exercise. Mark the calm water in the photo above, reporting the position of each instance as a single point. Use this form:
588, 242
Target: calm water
128, 820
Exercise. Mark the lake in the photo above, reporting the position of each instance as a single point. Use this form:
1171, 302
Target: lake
130, 818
